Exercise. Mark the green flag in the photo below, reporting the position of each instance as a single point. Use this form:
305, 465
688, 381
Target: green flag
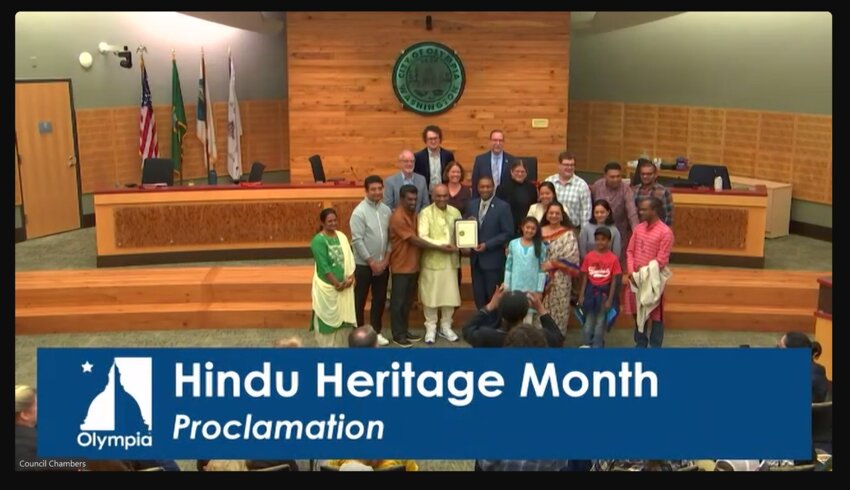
178, 119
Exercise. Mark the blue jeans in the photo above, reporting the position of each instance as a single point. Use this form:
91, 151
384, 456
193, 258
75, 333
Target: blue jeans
656, 336
593, 330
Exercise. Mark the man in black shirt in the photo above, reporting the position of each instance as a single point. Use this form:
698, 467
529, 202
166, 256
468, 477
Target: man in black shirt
490, 325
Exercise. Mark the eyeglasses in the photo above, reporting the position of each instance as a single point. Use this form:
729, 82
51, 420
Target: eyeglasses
435, 138
567, 164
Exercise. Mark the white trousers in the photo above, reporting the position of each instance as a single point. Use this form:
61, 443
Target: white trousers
431, 316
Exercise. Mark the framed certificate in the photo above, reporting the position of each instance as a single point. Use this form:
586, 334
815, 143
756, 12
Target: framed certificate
466, 233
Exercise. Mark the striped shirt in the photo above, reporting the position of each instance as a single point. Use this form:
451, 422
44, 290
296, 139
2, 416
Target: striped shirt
649, 242
575, 197
659, 191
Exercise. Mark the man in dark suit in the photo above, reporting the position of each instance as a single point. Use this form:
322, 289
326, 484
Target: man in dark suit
495, 229
431, 161
495, 164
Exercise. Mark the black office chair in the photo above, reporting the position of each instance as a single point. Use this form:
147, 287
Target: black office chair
257, 170
704, 175
822, 423
530, 167
318, 168
158, 171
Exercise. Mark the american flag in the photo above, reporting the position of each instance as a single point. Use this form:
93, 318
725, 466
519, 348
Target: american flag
148, 145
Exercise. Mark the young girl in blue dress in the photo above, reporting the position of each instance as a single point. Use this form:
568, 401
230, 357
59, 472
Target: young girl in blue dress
526, 255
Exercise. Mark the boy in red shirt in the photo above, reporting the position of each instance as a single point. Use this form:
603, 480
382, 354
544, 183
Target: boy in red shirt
600, 283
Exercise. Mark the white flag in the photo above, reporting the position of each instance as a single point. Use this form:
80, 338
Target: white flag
234, 130
205, 118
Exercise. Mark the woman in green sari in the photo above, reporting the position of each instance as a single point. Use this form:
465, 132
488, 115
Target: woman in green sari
333, 278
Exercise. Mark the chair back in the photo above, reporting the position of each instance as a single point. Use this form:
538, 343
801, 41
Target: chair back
704, 175
158, 171
318, 168
257, 170
822, 422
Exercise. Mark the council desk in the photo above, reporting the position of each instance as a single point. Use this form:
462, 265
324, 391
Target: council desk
723, 228
139, 226
208, 223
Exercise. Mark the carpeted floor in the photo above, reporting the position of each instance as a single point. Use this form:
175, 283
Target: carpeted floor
76, 250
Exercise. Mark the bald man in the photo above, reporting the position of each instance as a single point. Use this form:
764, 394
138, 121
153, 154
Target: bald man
405, 176
438, 288
364, 336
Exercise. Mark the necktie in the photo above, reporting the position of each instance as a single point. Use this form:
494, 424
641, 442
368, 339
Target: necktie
482, 211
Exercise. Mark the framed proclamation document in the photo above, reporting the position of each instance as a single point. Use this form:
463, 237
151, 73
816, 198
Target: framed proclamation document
466, 233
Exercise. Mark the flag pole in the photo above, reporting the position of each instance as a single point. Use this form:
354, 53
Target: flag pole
142, 72
180, 173
207, 115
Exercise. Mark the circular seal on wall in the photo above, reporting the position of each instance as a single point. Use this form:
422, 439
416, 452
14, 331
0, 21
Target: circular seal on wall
428, 78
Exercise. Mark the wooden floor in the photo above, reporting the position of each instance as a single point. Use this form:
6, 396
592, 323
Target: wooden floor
279, 297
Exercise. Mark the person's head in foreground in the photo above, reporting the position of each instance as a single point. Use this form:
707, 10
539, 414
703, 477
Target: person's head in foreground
26, 407
364, 336
513, 308
525, 335
797, 340
291, 342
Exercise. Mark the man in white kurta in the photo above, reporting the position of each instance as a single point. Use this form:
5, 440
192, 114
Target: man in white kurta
438, 287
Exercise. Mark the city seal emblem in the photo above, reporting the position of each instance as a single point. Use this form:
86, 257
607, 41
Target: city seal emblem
428, 78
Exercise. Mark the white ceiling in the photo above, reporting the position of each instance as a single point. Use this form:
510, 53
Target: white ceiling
262, 22
596, 22
582, 22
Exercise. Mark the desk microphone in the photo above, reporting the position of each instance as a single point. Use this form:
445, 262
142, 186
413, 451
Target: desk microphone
356, 178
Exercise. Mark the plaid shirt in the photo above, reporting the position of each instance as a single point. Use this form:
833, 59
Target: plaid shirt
661, 192
522, 464
575, 197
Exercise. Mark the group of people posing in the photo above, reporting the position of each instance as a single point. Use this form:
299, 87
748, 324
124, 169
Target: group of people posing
561, 243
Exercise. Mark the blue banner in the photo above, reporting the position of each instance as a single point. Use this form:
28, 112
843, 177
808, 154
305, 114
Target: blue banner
424, 403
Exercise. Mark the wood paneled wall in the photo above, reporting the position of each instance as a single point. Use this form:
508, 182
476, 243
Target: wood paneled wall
342, 104
109, 141
783, 147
